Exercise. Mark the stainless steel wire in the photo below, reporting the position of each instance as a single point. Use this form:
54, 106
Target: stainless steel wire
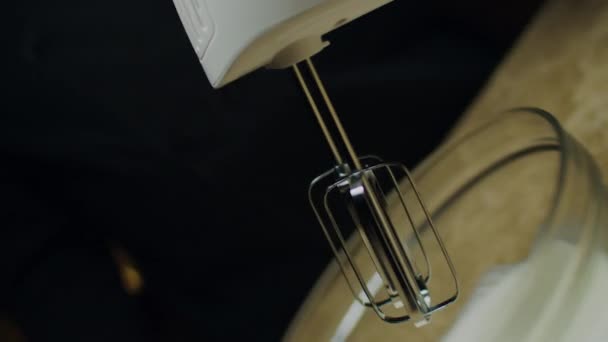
366, 202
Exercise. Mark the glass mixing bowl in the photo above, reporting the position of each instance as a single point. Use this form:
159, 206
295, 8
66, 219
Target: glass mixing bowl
520, 207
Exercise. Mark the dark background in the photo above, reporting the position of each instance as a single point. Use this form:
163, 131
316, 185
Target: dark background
111, 133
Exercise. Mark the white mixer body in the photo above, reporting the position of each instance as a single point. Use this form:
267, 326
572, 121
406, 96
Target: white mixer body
234, 37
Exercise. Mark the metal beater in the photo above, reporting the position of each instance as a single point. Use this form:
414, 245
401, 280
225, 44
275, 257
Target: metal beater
379, 204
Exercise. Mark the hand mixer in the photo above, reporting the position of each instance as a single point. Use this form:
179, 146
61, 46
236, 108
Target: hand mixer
376, 202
